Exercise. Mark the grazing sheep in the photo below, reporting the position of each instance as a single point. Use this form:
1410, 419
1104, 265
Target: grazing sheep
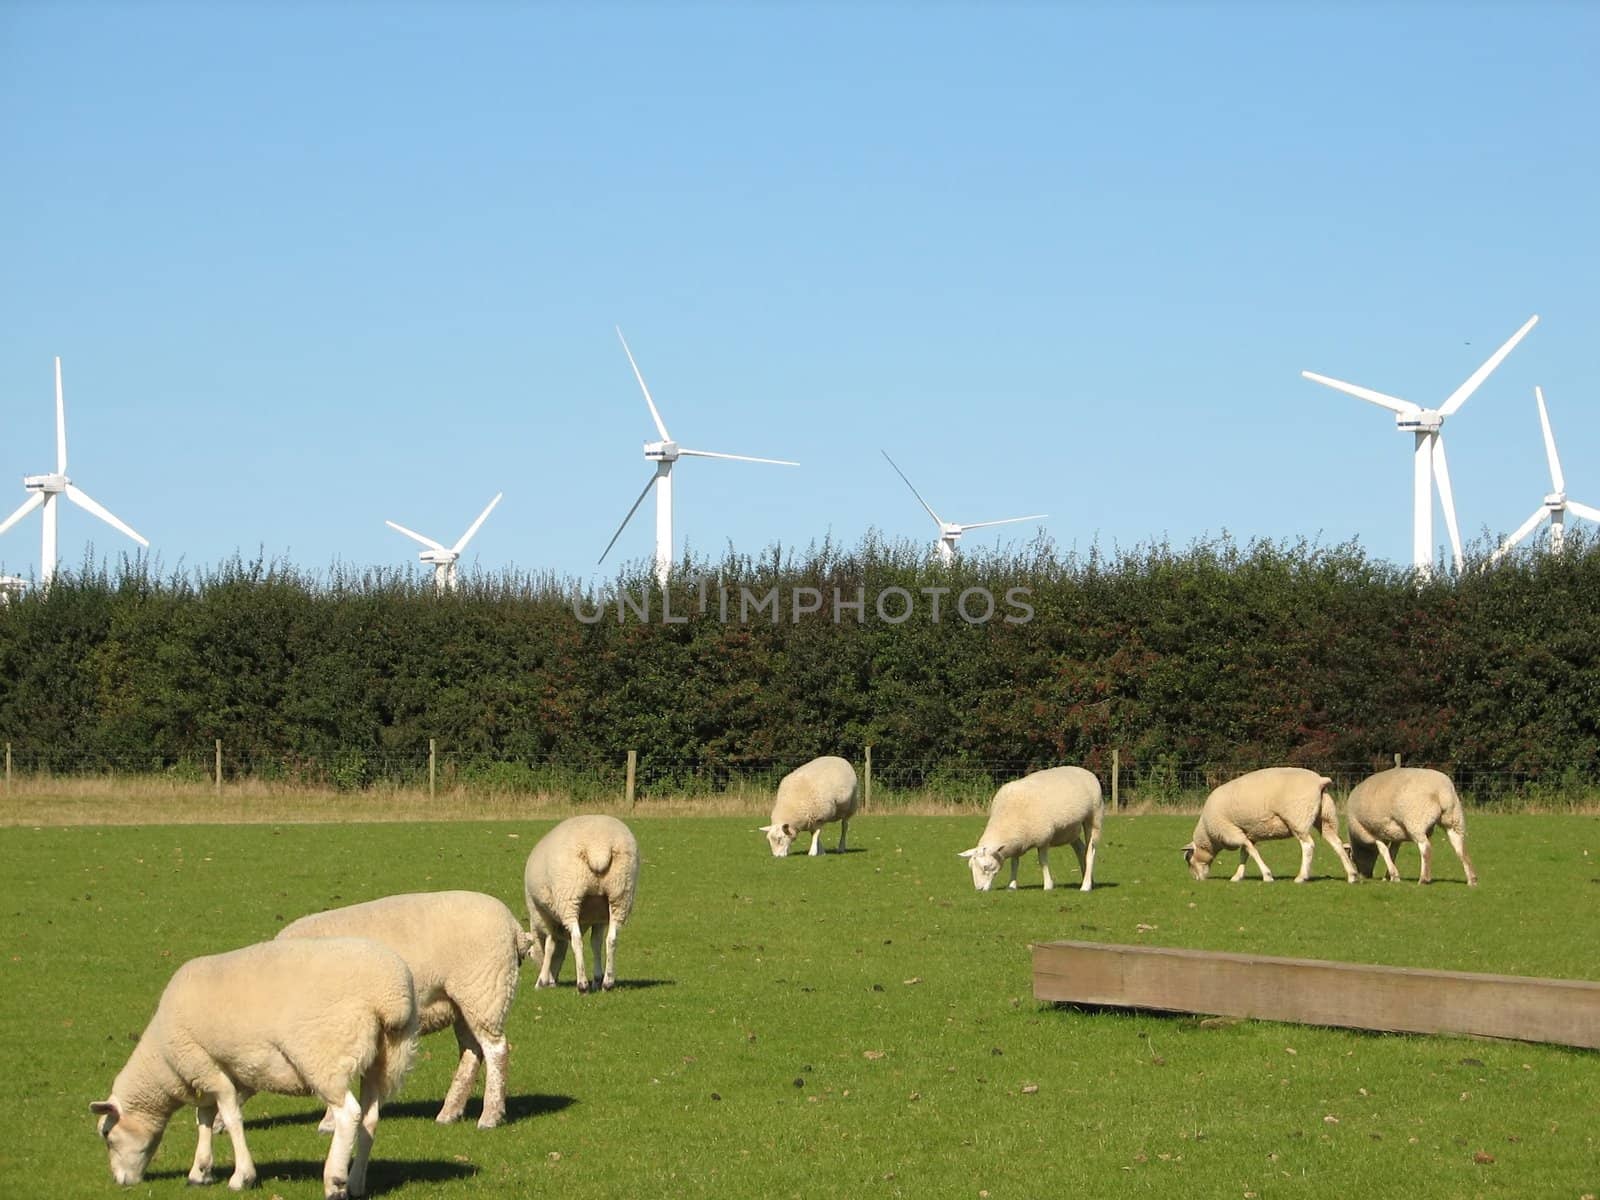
1404, 804
581, 875
1061, 806
1274, 802
319, 1016
809, 797
464, 950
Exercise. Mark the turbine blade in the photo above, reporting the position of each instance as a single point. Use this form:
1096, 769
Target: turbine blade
626, 519
61, 424
1583, 510
467, 536
1459, 396
655, 416
1522, 532
1558, 481
1447, 500
28, 505
1004, 521
782, 462
914, 491
415, 536
1381, 399
82, 499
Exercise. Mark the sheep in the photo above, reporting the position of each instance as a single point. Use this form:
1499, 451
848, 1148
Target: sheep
317, 1016
1404, 804
464, 950
580, 875
809, 797
1274, 802
1061, 806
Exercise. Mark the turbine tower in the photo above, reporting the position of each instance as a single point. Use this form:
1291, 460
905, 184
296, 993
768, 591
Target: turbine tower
46, 490
949, 531
1429, 468
1556, 503
444, 557
663, 454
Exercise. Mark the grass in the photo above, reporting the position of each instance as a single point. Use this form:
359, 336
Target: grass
859, 1025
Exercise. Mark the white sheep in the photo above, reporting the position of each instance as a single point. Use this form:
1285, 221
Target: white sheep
809, 797
322, 1017
1404, 804
1061, 806
464, 950
581, 875
1274, 802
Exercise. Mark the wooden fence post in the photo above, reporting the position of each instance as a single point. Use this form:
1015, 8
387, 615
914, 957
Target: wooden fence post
433, 767
1397, 760
219, 766
8, 766
1115, 773
633, 769
866, 790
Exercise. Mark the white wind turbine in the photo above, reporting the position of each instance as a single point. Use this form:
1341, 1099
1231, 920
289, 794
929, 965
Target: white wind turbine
444, 557
1556, 503
664, 453
44, 491
949, 531
1428, 462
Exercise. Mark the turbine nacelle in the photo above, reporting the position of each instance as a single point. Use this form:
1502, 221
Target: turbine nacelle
661, 451
1421, 420
51, 485
1556, 502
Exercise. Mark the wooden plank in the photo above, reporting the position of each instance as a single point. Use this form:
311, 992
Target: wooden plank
1313, 992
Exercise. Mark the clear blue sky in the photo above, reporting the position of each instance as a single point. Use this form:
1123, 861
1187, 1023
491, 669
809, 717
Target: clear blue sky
311, 266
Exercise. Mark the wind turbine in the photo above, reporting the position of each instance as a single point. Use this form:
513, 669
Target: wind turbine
1556, 503
949, 531
664, 453
46, 489
1429, 468
444, 557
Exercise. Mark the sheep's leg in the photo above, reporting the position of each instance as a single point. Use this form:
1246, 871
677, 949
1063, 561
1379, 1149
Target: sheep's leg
455, 1100
555, 951
1307, 848
1458, 843
496, 1054
1244, 859
1390, 871
816, 843
1425, 845
1330, 834
610, 980
1014, 860
1044, 866
200, 1172
365, 1132
1250, 849
575, 936
596, 944
844, 828
244, 1167
336, 1170
1086, 861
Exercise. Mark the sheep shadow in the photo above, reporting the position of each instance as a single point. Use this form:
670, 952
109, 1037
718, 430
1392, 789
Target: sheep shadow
383, 1175
518, 1108
622, 985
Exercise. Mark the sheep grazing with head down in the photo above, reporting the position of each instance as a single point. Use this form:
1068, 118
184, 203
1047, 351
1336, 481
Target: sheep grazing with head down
1061, 806
464, 950
813, 795
1274, 802
335, 1018
1401, 805
581, 875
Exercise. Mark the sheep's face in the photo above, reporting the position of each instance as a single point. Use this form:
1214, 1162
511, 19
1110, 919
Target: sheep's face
130, 1138
985, 864
1364, 855
1199, 860
780, 838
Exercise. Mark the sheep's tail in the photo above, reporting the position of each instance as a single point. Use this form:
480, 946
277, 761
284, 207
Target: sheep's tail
1451, 814
1097, 816
597, 858
398, 1028
1327, 811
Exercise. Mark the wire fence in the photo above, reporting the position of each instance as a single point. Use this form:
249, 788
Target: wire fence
640, 776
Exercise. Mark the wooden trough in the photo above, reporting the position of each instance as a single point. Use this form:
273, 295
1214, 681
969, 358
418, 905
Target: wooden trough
1313, 992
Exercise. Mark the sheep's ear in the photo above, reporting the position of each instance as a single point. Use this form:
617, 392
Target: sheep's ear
967, 853
101, 1107
765, 829
1188, 852
788, 829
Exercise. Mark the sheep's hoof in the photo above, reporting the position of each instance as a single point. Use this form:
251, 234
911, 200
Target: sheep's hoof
203, 1180
486, 1123
608, 985
238, 1183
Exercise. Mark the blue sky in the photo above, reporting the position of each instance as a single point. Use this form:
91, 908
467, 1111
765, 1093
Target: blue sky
311, 266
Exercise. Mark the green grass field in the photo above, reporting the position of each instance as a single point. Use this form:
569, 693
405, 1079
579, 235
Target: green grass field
859, 1025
